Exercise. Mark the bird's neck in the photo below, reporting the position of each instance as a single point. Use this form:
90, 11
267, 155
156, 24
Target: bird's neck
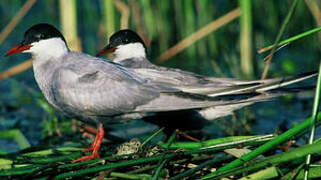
129, 51
48, 56
43, 71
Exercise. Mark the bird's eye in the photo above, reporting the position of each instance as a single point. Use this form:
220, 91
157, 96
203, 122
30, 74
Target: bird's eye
39, 36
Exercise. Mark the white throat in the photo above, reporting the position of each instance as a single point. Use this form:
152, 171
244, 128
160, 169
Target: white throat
128, 51
47, 55
48, 49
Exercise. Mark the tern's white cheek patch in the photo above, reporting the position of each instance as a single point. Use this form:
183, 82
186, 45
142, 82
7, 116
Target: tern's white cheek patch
127, 51
53, 47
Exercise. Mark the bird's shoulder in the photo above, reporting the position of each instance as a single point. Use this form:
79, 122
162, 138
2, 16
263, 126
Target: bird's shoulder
84, 68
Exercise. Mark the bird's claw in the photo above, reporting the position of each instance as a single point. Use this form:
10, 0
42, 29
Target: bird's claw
94, 146
87, 158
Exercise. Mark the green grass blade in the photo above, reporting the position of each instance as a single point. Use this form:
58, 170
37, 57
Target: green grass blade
137, 161
291, 39
278, 38
246, 38
313, 120
151, 137
189, 28
273, 160
290, 175
193, 170
212, 142
267, 173
17, 136
314, 172
148, 15
265, 147
162, 161
109, 17
158, 170
126, 176
68, 19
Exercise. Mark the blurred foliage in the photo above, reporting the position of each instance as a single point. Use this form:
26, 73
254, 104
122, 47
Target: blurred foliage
167, 22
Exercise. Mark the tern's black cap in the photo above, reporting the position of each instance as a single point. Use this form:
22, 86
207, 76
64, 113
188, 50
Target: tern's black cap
122, 37
125, 36
41, 32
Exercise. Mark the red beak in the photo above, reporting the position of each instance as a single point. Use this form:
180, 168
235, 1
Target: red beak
17, 49
106, 50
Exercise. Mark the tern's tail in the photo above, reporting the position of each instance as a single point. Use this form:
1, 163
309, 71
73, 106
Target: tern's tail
224, 102
239, 87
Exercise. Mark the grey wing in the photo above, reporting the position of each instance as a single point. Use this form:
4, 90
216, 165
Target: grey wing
193, 83
94, 93
91, 86
85, 93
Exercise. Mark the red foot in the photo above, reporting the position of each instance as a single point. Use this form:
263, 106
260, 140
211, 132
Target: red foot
87, 158
94, 146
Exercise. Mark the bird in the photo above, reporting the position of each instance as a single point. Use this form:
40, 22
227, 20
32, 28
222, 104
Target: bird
97, 90
129, 50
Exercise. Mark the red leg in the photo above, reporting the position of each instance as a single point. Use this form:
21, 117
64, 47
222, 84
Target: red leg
92, 144
94, 147
88, 131
88, 135
186, 135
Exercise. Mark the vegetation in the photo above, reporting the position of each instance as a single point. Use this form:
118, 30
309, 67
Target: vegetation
241, 39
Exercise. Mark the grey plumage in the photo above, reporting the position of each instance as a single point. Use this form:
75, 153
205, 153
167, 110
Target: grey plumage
210, 86
130, 51
195, 83
94, 89
90, 88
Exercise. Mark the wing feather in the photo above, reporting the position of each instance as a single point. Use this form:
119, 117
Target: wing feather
90, 90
